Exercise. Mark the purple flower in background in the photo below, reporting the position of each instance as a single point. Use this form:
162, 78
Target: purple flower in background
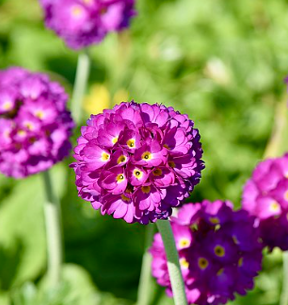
84, 22
219, 252
265, 196
137, 161
35, 125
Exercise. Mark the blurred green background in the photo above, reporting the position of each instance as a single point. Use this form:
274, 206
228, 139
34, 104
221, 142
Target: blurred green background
222, 62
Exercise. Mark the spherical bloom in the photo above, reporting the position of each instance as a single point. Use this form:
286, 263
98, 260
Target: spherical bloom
265, 196
84, 22
34, 124
137, 161
219, 252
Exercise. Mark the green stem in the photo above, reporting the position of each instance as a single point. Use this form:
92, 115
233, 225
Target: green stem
175, 274
284, 295
53, 231
81, 79
144, 290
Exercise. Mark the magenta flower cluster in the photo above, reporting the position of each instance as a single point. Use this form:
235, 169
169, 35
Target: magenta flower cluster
84, 22
265, 196
219, 251
137, 161
35, 125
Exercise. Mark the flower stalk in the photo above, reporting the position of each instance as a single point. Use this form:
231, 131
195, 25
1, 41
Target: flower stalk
145, 283
81, 79
175, 274
53, 232
284, 294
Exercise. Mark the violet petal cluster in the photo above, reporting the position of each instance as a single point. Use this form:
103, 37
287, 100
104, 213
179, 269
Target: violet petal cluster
265, 196
35, 125
137, 161
81, 23
219, 251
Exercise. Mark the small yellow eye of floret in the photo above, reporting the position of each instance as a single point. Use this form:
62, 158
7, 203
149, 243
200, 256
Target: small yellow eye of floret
105, 156
77, 11
137, 173
39, 114
121, 159
157, 172
146, 189
131, 143
125, 198
120, 178
184, 242
214, 220
7, 106
219, 251
203, 263
114, 140
275, 206
240, 262
146, 156
21, 133
184, 263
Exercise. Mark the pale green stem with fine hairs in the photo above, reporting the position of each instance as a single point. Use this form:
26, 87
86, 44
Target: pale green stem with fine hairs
145, 283
81, 79
174, 269
284, 295
53, 232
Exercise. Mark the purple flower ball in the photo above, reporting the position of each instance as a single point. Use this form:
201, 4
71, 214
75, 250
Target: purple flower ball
219, 252
265, 196
81, 23
35, 125
137, 161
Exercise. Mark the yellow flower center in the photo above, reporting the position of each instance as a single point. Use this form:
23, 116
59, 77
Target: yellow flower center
39, 114
166, 146
121, 159
219, 251
105, 157
157, 172
7, 106
202, 263
235, 239
274, 206
286, 195
214, 220
172, 164
240, 262
183, 263
220, 271
125, 198
146, 189
114, 140
184, 242
120, 178
146, 156
29, 125
131, 143
21, 133
77, 11
137, 173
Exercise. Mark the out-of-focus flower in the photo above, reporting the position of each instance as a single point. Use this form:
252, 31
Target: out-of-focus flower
219, 252
99, 98
137, 161
35, 125
81, 23
265, 196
